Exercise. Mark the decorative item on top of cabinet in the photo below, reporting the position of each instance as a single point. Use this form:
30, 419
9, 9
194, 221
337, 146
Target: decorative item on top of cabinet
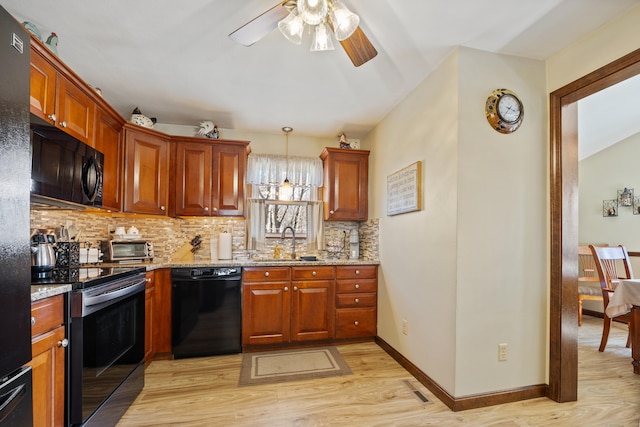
48, 348
210, 176
346, 184
356, 301
58, 96
146, 179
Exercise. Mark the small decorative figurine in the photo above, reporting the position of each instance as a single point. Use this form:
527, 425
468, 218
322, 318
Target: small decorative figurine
141, 120
52, 43
32, 29
209, 130
343, 141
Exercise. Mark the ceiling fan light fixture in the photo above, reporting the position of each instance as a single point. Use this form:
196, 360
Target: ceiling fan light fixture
321, 39
292, 27
343, 20
313, 12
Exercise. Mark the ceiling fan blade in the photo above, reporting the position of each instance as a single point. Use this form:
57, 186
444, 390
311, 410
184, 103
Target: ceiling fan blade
359, 48
260, 26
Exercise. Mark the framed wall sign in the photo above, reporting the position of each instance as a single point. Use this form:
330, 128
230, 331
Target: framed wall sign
404, 190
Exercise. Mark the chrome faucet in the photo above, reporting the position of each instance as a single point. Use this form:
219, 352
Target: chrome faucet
293, 240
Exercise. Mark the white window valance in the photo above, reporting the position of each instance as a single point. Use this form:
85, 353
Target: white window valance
267, 169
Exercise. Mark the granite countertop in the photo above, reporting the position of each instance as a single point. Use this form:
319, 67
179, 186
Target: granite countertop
39, 292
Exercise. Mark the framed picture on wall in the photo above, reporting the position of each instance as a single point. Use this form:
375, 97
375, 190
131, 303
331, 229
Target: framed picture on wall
404, 190
610, 207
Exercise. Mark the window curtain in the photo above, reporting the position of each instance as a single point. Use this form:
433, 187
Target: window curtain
315, 226
256, 222
267, 169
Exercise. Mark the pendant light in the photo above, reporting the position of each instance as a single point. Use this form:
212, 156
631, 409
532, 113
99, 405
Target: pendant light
286, 189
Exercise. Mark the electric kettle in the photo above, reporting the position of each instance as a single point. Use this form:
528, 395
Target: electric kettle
43, 256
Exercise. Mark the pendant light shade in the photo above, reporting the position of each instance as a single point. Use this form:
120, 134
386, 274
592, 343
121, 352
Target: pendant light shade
286, 189
313, 12
292, 27
321, 39
343, 20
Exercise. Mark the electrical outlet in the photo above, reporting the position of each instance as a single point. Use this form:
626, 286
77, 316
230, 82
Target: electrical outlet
405, 326
502, 352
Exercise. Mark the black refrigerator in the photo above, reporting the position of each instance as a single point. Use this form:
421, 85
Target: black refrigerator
15, 257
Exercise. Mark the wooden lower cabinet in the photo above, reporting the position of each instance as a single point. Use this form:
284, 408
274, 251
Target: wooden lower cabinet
356, 301
157, 336
284, 305
48, 348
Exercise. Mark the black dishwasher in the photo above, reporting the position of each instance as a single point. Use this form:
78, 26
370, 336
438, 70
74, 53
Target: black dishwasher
207, 311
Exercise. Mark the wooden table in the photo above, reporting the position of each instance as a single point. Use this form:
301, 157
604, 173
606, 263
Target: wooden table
625, 299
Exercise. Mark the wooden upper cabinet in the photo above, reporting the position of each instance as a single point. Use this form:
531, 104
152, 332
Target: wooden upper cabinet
57, 98
229, 164
210, 177
146, 180
107, 140
346, 184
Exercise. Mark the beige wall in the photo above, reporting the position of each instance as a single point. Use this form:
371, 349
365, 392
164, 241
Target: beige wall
601, 176
471, 272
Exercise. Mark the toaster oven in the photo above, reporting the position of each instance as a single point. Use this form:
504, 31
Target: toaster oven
127, 251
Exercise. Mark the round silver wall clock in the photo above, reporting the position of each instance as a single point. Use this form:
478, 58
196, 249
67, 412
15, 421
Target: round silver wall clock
504, 111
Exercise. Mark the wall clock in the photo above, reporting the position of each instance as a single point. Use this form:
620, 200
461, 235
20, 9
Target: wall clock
504, 111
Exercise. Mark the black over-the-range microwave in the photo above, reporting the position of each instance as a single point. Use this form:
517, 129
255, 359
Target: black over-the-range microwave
64, 169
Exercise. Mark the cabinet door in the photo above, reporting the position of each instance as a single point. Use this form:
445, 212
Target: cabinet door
147, 172
107, 140
346, 184
266, 313
312, 310
43, 88
228, 179
193, 179
48, 378
149, 316
162, 313
74, 110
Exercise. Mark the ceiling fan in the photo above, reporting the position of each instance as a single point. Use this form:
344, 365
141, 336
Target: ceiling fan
291, 16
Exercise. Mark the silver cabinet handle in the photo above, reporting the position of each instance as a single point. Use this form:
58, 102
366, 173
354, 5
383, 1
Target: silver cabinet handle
148, 280
356, 323
162, 208
64, 343
357, 300
33, 321
52, 117
215, 209
331, 212
313, 273
295, 288
357, 286
357, 272
62, 124
266, 274
286, 288
206, 209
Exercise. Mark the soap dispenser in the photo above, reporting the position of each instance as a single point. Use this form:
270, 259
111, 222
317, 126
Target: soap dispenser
354, 244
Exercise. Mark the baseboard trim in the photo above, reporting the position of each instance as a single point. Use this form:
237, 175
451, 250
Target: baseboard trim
467, 402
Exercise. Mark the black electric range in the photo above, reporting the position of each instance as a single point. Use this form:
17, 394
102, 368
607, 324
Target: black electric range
84, 277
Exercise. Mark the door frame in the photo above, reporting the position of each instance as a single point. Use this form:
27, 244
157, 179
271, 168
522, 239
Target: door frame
563, 205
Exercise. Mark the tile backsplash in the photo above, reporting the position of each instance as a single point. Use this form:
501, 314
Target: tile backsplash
169, 235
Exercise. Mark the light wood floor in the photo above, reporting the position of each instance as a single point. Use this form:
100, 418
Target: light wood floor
204, 392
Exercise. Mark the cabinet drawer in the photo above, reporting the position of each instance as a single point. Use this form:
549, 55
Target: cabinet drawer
355, 322
356, 300
266, 274
313, 273
357, 272
366, 285
47, 314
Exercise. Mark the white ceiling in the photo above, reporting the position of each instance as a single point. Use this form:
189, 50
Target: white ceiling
174, 60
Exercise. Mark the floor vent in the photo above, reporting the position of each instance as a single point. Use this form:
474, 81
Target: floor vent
415, 392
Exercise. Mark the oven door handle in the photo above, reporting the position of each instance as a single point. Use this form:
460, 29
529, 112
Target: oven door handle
111, 295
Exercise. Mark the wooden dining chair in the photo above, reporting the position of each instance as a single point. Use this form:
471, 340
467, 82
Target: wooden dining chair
612, 264
588, 281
